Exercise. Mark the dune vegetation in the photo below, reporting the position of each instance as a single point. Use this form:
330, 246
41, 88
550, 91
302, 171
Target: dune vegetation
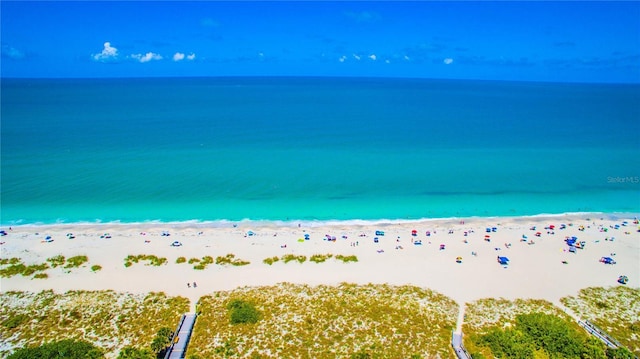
10, 267
615, 310
316, 258
290, 321
528, 329
106, 319
149, 258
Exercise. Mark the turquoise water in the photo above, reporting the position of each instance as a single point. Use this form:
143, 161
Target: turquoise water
209, 149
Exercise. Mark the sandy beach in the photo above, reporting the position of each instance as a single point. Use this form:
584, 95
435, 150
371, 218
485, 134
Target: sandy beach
540, 266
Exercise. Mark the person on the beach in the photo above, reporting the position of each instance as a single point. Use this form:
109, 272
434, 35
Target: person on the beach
188, 285
195, 285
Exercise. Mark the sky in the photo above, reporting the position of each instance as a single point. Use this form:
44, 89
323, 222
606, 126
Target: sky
571, 41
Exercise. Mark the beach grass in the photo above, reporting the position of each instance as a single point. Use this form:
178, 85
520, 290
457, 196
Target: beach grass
271, 260
347, 320
10, 267
57, 261
616, 310
292, 257
346, 259
319, 258
150, 258
76, 261
107, 319
231, 259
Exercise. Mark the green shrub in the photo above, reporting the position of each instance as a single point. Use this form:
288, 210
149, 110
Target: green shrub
271, 260
539, 331
194, 260
153, 260
96, 267
319, 258
13, 269
56, 261
230, 259
63, 349
41, 276
242, 312
181, 260
162, 340
15, 321
290, 257
135, 353
14, 260
347, 259
77, 261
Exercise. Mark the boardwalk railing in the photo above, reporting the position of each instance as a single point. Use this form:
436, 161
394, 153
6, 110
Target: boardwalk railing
181, 337
600, 334
456, 343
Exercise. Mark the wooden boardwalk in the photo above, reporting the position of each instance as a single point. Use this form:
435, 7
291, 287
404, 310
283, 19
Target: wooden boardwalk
181, 337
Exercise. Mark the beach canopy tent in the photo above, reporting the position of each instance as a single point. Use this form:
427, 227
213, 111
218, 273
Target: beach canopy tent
503, 260
166, 233
607, 260
3, 233
458, 259
418, 242
572, 249
306, 236
375, 240
176, 244
379, 233
442, 247
488, 230
48, 239
623, 279
251, 233
414, 233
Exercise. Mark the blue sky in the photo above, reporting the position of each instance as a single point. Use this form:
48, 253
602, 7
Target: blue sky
574, 41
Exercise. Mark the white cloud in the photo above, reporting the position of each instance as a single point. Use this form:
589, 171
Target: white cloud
191, 56
357, 57
406, 58
448, 61
108, 53
387, 61
373, 57
178, 56
146, 57
342, 58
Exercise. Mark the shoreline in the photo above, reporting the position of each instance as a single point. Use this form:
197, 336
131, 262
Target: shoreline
225, 223
540, 267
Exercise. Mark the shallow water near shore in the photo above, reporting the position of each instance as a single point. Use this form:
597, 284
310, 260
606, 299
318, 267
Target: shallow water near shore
287, 149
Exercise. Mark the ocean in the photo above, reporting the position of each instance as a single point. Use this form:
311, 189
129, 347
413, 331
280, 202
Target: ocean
313, 149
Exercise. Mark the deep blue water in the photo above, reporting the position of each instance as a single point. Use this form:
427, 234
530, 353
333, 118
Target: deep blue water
179, 149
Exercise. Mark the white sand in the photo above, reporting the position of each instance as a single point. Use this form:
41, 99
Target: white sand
535, 270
